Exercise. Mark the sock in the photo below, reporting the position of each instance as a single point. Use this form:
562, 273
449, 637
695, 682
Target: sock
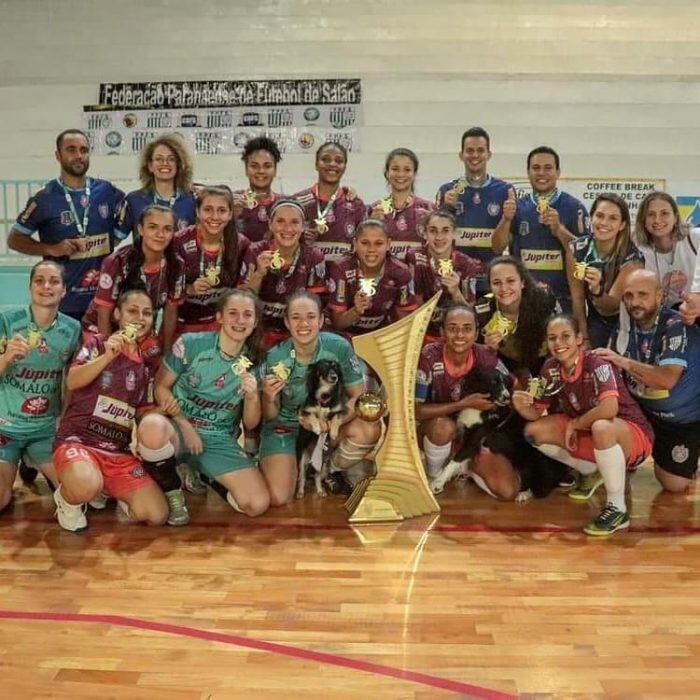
612, 467
435, 456
347, 453
565, 457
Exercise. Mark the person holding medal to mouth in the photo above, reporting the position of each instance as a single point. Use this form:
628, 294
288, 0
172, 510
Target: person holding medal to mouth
252, 205
74, 217
332, 211
110, 387
369, 289
285, 388
543, 224
438, 267
212, 252
206, 388
165, 172
276, 267
36, 342
402, 212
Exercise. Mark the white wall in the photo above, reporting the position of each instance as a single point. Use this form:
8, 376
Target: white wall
613, 86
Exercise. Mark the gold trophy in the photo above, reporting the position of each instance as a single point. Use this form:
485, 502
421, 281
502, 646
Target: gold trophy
370, 406
321, 225
213, 275
129, 332
250, 200
240, 365
580, 270
33, 338
368, 286
281, 371
445, 267
277, 261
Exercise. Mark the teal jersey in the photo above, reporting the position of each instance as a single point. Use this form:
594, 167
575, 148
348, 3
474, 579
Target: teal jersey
208, 386
30, 388
293, 396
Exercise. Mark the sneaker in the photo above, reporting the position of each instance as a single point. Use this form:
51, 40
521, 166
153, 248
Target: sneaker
232, 502
70, 517
27, 474
611, 519
191, 480
99, 502
568, 480
587, 486
178, 508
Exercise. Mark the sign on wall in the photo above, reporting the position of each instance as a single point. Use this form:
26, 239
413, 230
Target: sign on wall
219, 117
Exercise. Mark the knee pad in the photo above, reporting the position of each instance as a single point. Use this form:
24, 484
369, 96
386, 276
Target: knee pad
159, 455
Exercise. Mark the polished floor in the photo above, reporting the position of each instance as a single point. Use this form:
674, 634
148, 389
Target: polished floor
488, 600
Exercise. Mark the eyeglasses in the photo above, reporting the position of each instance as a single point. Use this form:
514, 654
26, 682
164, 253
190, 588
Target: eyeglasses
165, 159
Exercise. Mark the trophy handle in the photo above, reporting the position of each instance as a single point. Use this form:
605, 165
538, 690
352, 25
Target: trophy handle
400, 488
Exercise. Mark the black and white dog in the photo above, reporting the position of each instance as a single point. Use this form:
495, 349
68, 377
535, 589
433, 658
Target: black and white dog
326, 400
501, 431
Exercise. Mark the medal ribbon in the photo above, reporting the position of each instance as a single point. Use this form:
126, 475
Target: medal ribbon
82, 227
171, 202
322, 214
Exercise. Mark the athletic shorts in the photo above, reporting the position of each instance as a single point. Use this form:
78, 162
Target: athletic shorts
37, 447
278, 438
222, 454
121, 473
676, 447
641, 445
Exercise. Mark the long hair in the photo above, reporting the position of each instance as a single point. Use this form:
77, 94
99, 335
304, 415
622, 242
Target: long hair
641, 236
407, 153
183, 178
136, 257
231, 266
623, 242
535, 308
254, 342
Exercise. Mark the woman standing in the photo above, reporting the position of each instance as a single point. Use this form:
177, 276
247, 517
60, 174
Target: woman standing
276, 267
598, 269
402, 212
285, 392
165, 172
332, 212
207, 386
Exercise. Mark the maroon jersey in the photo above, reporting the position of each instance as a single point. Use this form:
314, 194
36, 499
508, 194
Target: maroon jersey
342, 218
307, 271
115, 269
101, 414
253, 222
427, 280
393, 292
404, 226
201, 308
593, 379
437, 381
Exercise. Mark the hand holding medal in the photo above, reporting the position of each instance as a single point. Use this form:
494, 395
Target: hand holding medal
240, 365
213, 276
250, 199
130, 332
33, 338
276, 261
580, 270
386, 206
15, 348
367, 286
542, 207
497, 329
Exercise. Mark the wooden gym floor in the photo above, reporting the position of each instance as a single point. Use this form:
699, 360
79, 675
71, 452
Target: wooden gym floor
489, 600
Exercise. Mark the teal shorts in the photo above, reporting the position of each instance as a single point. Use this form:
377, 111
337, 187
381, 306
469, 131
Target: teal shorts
222, 454
37, 447
278, 438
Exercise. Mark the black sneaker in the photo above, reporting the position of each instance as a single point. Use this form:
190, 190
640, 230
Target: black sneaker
27, 474
338, 484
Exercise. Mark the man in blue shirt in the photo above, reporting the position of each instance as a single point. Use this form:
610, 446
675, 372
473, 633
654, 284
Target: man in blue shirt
74, 216
661, 361
541, 226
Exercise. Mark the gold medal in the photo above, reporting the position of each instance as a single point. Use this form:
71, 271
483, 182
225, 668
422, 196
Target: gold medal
33, 338
368, 286
277, 262
129, 332
321, 224
535, 387
250, 200
580, 270
386, 206
281, 371
542, 206
445, 267
240, 365
500, 324
213, 275
460, 186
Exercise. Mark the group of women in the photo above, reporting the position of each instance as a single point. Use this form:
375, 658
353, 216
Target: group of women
204, 327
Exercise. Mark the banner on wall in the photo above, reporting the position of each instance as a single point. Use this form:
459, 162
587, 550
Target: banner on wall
219, 117
632, 190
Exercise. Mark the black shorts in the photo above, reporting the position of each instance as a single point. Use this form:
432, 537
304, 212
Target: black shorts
676, 447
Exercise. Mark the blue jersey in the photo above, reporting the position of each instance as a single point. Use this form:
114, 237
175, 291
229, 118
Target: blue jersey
49, 213
183, 206
539, 249
670, 342
478, 211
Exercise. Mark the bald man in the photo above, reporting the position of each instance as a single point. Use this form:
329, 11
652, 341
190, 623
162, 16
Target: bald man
662, 370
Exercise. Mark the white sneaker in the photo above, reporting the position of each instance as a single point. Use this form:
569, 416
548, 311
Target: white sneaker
99, 502
70, 517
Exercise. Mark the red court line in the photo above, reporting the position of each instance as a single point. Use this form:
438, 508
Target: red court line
260, 645
258, 524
